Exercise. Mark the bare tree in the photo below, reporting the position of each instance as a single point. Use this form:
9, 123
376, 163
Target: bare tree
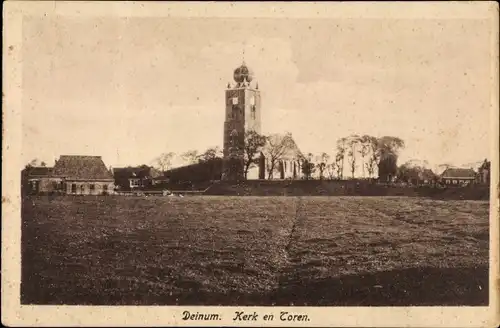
164, 161
308, 166
277, 146
352, 144
330, 170
374, 155
210, 154
341, 150
339, 158
364, 149
190, 156
254, 144
34, 162
322, 164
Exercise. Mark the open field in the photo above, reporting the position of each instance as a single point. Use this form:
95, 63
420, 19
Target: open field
254, 251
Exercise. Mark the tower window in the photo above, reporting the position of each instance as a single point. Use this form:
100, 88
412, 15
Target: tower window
235, 100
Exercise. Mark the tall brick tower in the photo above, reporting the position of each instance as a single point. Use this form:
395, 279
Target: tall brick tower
242, 114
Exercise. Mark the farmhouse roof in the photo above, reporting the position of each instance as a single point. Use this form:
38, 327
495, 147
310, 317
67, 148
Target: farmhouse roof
458, 173
81, 168
427, 174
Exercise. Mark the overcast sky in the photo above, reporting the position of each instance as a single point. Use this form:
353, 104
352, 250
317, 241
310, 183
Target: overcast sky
130, 89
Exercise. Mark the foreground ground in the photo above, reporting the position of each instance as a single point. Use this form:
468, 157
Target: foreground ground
254, 251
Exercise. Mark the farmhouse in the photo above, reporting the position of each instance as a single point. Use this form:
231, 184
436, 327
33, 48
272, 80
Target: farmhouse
78, 175
129, 178
36, 178
458, 176
426, 177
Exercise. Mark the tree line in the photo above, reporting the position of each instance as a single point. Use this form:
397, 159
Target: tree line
375, 156
365, 151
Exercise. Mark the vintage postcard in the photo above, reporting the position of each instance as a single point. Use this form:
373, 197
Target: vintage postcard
250, 164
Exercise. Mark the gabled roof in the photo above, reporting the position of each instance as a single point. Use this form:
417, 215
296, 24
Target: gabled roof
289, 151
458, 173
426, 174
81, 168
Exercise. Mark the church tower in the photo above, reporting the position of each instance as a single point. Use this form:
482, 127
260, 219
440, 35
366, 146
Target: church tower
242, 115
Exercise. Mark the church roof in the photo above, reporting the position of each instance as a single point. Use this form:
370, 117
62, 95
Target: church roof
290, 149
75, 167
243, 73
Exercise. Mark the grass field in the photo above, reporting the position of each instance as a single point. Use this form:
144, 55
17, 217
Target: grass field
254, 251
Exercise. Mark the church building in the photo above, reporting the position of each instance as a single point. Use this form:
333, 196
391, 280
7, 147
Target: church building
243, 114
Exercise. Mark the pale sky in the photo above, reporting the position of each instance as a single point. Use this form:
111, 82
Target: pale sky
130, 89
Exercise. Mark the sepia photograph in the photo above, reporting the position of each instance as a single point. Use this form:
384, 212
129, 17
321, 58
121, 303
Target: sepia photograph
240, 158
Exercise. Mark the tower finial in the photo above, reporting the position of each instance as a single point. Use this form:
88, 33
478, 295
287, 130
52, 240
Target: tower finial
243, 56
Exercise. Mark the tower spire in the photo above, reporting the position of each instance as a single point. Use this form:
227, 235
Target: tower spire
243, 56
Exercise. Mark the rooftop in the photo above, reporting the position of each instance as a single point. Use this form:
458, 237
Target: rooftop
80, 167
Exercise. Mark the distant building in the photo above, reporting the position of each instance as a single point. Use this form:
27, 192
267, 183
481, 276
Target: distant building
483, 174
77, 175
130, 178
289, 164
458, 176
243, 114
426, 176
35, 179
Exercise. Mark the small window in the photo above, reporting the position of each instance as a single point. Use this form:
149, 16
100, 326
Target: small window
235, 100
105, 187
73, 188
82, 188
92, 187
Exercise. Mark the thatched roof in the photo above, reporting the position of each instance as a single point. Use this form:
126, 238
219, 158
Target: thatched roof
74, 167
458, 173
427, 174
